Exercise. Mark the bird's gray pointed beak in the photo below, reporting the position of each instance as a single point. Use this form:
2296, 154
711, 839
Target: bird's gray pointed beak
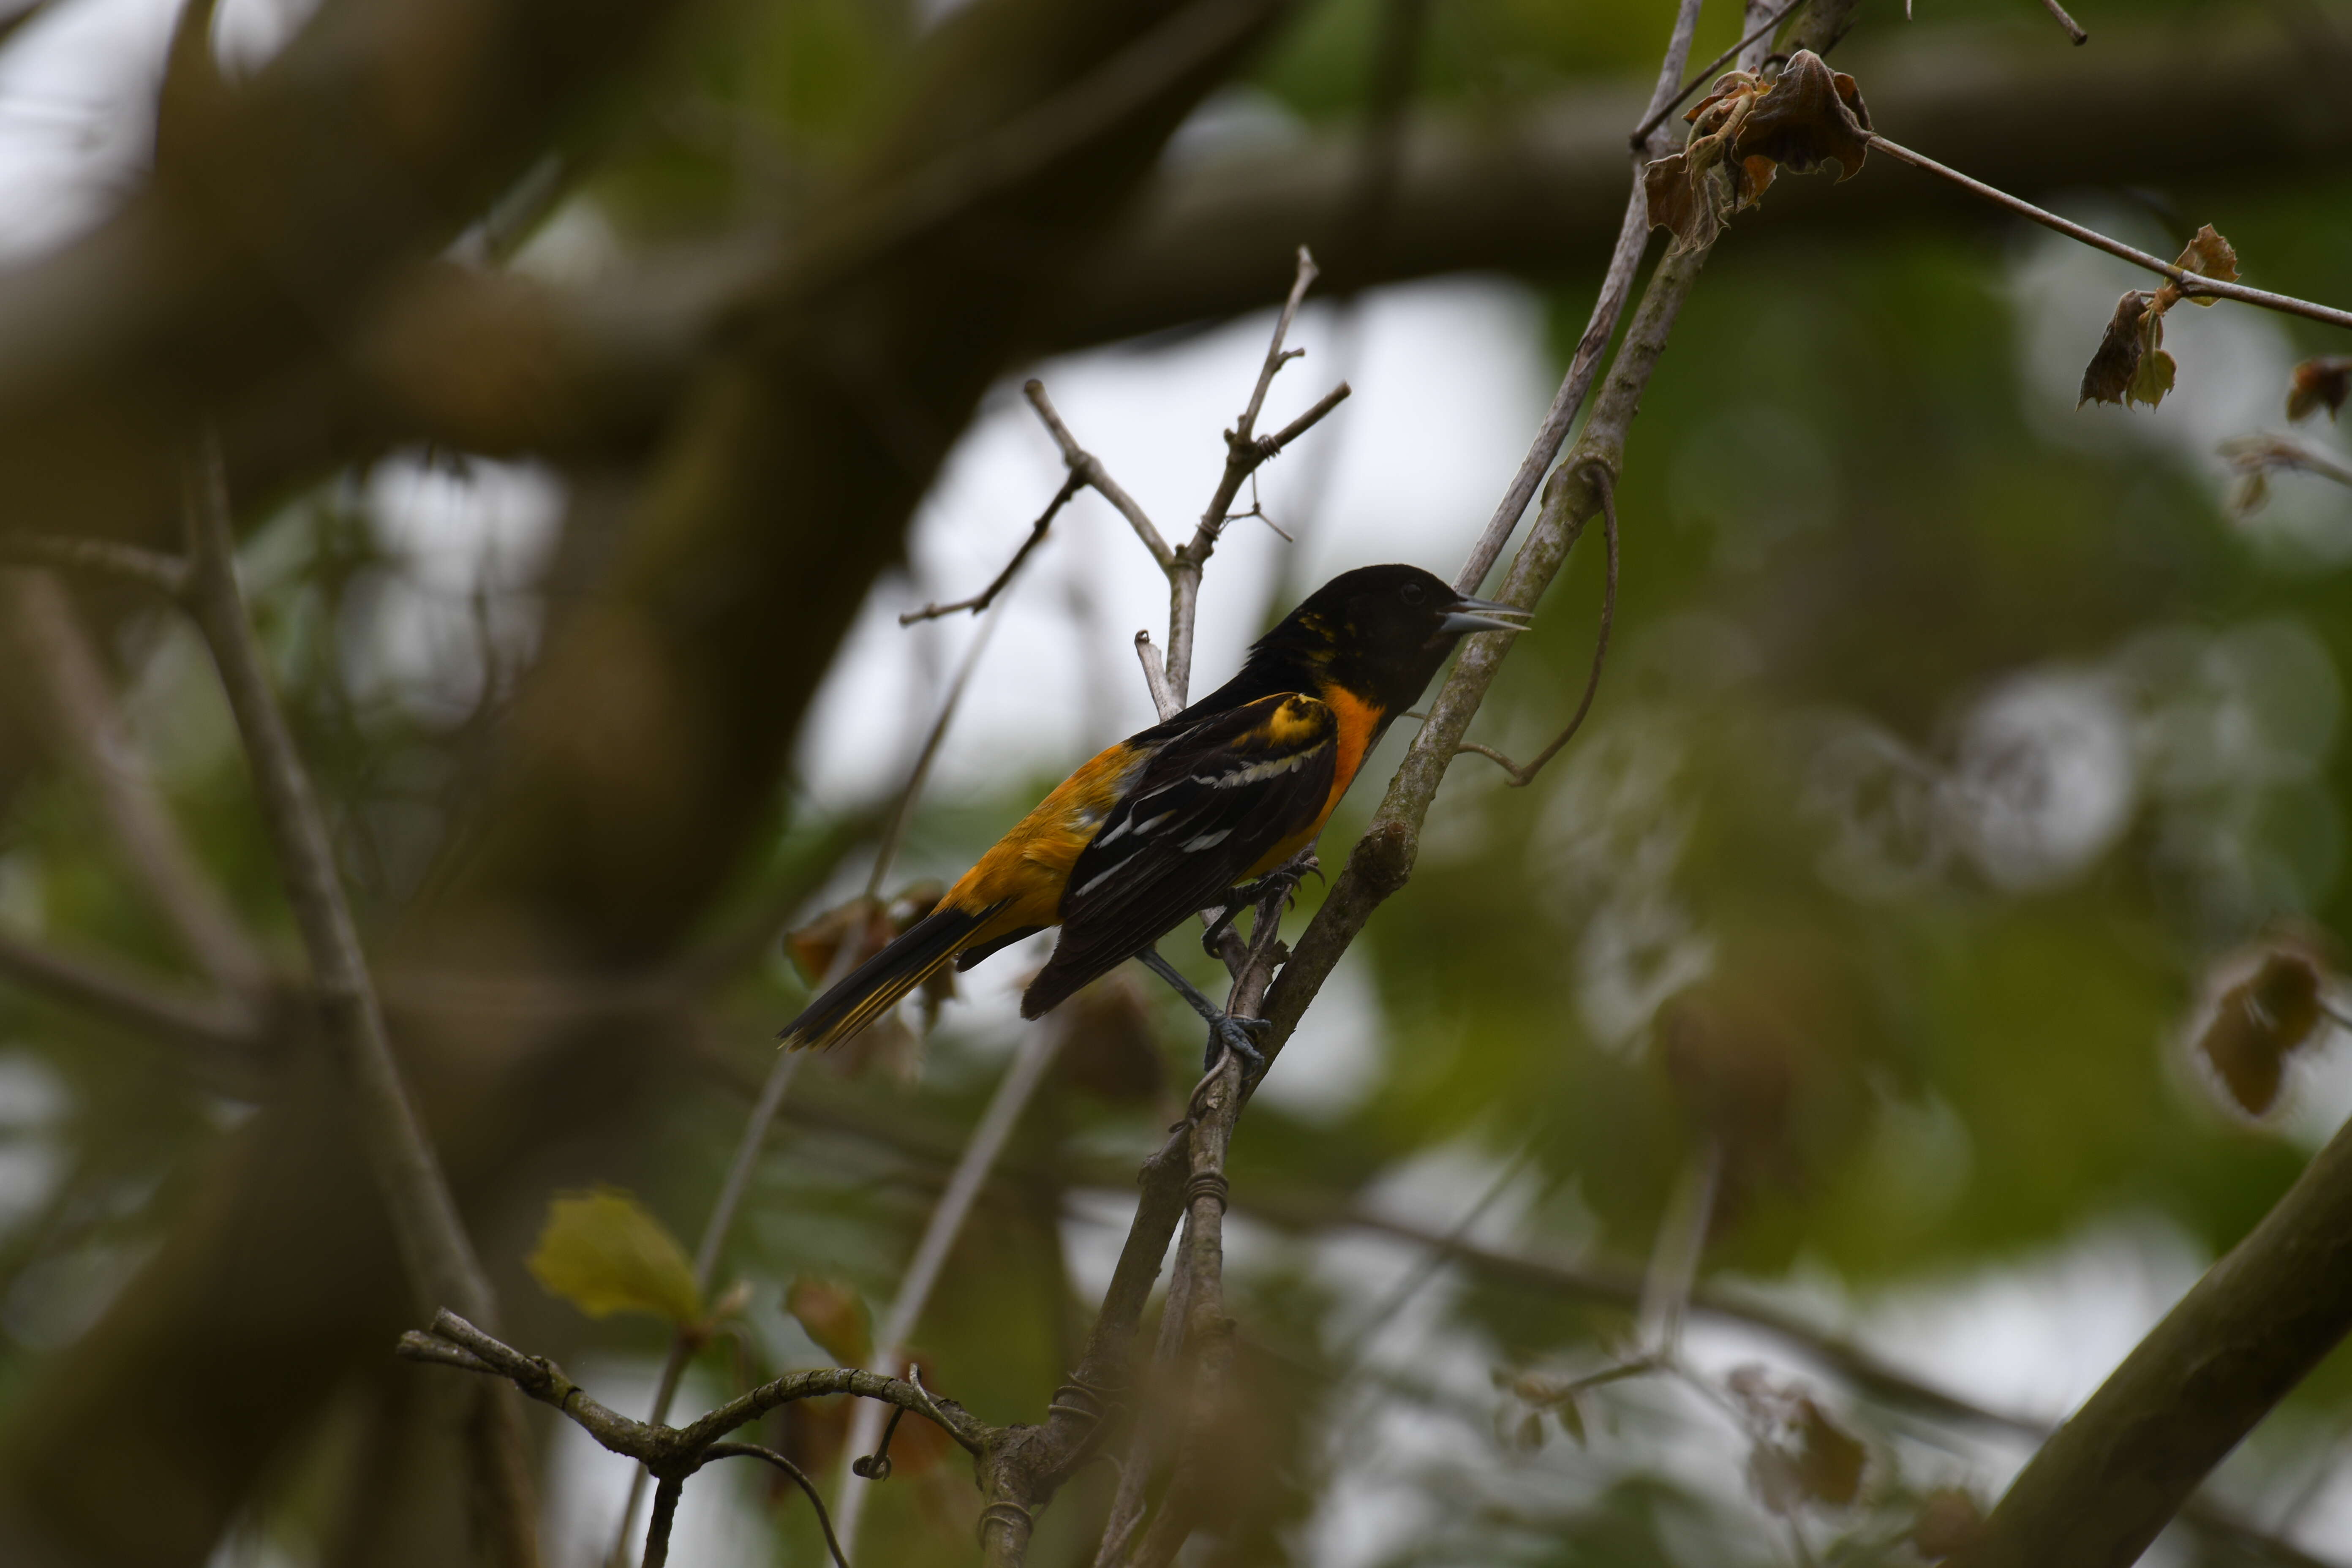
1483, 616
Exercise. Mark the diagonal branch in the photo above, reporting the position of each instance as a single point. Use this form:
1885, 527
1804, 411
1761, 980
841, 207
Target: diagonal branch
437, 1256
987, 596
2192, 285
88, 726
1245, 453
129, 999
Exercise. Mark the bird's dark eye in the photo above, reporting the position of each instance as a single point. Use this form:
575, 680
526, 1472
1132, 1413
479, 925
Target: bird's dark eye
1412, 594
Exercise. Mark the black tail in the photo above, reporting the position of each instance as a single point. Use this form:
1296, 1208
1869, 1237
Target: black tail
881, 980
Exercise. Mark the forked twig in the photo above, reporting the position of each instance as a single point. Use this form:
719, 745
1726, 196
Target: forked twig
1521, 776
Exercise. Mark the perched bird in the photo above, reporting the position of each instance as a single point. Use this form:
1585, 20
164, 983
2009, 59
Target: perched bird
1172, 819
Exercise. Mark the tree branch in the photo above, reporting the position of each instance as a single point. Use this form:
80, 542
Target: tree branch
152, 569
1086, 466
1014, 1091
2102, 1487
134, 1000
437, 1256
1607, 307
987, 596
90, 730
2192, 285
675, 1450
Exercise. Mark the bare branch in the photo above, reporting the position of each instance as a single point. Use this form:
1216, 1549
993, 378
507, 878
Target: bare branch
133, 1000
800, 1479
437, 1256
1616, 288
2192, 285
1086, 467
1014, 1091
2245, 1334
2074, 28
1245, 453
1523, 776
88, 728
987, 596
440, 1260
1382, 860
165, 575
1155, 677
666, 1450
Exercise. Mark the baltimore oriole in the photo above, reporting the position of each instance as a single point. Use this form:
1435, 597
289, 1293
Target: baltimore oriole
1170, 819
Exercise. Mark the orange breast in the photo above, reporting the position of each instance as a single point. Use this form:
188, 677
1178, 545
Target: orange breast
1358, 722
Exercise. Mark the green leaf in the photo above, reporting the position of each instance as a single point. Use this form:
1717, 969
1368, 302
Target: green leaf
604, 1252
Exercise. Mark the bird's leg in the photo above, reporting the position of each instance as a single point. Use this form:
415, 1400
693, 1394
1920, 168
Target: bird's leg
1276, 886
1236, 1035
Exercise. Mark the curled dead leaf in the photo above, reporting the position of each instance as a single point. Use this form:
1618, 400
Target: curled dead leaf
2260, 1021
2209, 255
1812, 116
2324, 381
2116, 372
2130, 364
1746, 129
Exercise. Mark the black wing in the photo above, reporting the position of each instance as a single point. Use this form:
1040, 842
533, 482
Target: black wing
1208, 807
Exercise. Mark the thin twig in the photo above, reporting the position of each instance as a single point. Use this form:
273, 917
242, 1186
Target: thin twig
714, 1229
1707, 73
165, 575
2192, 285
455, 1343
1673, 1271
787, 1063
800, 1479
996, 1123
1523, 776
986, 597
2074, 28
1155, 679
1245, 453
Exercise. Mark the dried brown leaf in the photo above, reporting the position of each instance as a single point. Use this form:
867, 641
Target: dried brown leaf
2109, 375
2258, 1023
2209, 255
834, 1317
2323, 382
1813, 116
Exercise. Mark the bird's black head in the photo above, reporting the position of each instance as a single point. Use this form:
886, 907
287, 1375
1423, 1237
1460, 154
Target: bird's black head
1380, 632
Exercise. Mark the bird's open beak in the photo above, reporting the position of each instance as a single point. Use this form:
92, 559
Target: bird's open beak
1483, 616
